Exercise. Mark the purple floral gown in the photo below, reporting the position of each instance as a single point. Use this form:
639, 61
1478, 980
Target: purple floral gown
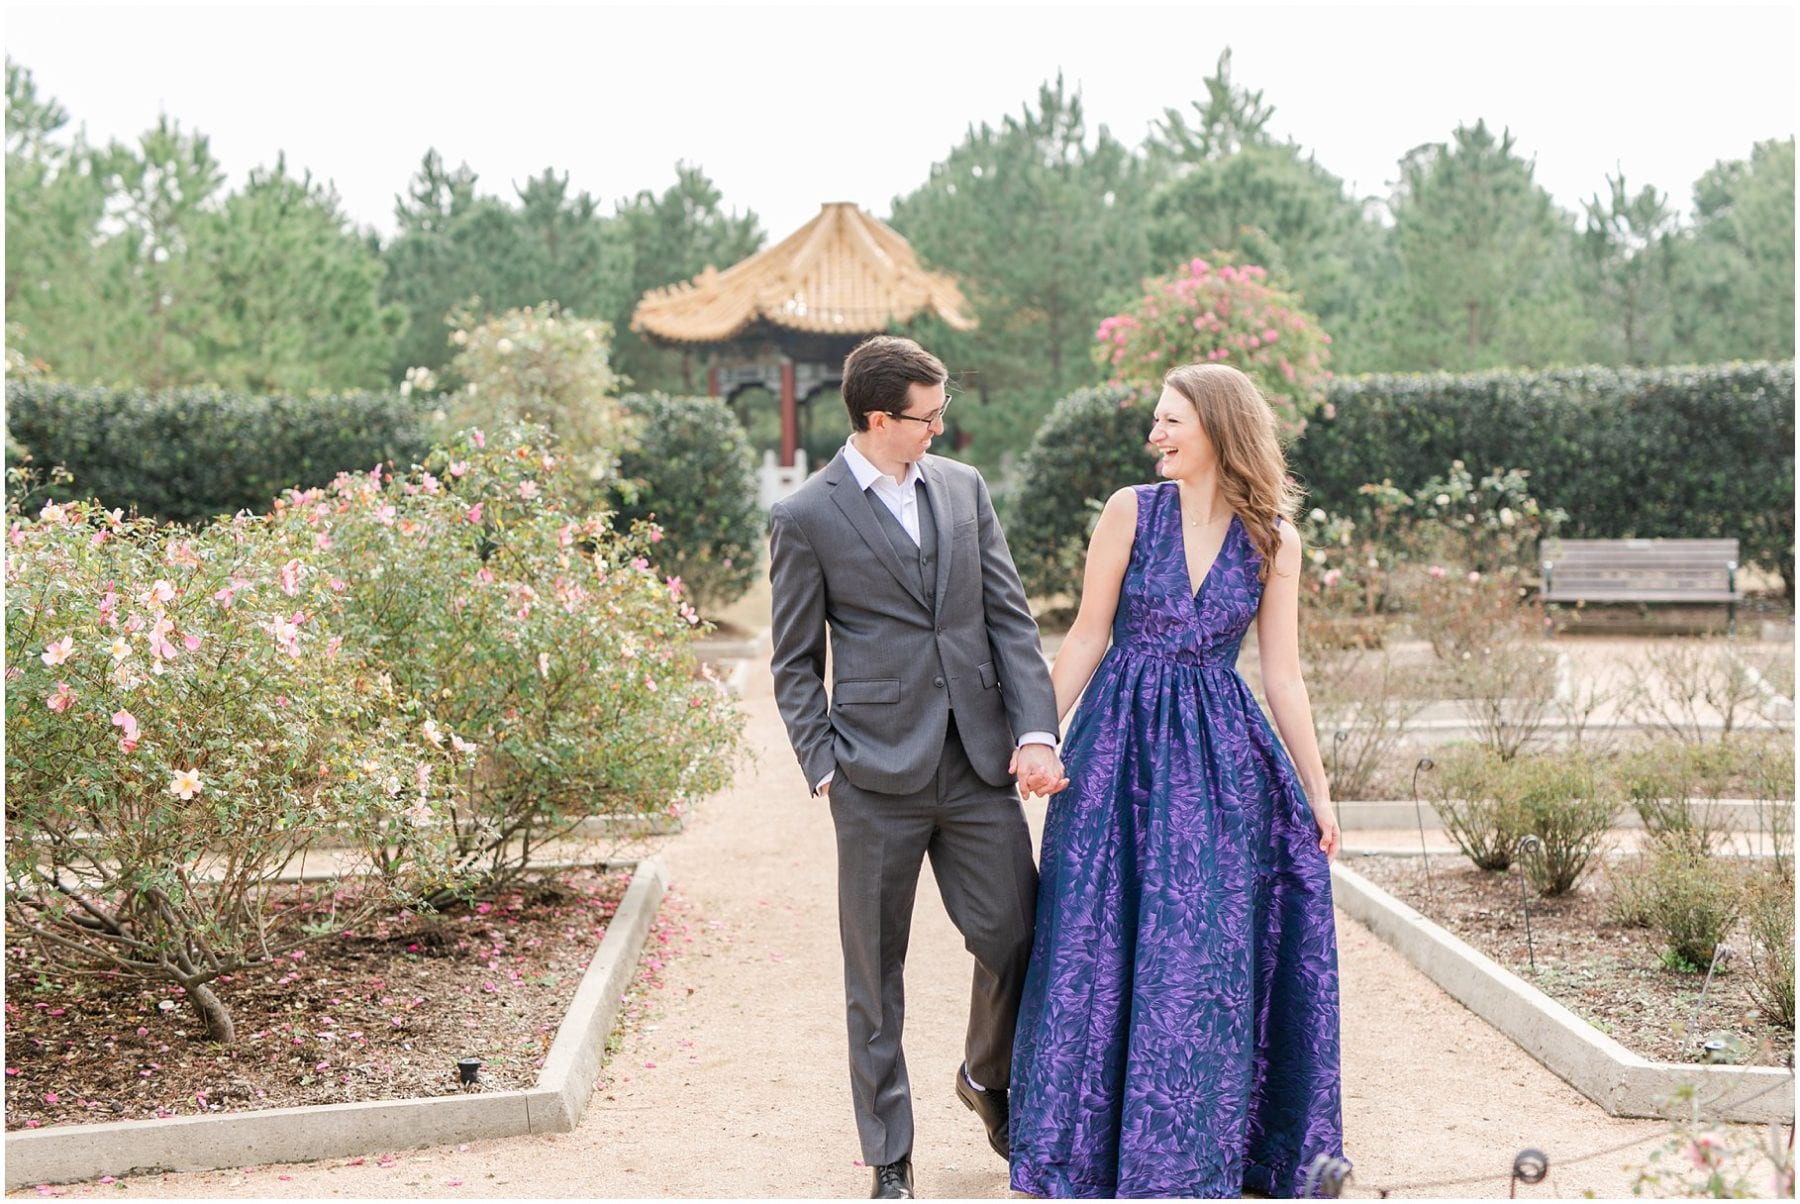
1179, 1031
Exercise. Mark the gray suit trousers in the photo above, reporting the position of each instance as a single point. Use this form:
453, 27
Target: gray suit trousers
980, 853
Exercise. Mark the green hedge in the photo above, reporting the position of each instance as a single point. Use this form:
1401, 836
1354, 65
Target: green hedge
1674, 452
191, 454
693, 472
1094, 442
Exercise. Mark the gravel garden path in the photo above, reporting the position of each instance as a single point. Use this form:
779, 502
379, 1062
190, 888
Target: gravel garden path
733, 1081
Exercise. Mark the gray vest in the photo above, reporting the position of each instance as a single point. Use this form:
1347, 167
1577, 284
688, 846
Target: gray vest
920, 558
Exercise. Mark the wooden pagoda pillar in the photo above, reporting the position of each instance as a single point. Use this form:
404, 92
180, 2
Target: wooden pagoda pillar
790, 414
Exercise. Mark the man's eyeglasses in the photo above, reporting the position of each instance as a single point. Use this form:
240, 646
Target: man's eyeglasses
936, 416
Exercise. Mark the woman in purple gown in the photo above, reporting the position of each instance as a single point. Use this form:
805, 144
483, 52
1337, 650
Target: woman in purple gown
1179, 1031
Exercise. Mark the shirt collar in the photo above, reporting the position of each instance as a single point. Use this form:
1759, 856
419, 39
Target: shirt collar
867, 474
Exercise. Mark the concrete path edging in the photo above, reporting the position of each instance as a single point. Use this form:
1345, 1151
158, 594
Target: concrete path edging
1731, 814
1621, 1082
71, 1153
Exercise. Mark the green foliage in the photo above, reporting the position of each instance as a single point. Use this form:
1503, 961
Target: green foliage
288, 293
179, 727
1491, 803
190, 454
1484, 261
455, 251
1039, 220
1629, 247
690, 472
126, 265
1736, 276
541, 366
1230, 316
529, 630
674, 236
1670, 784
1688, 452
1569, 808
1477, 809
1694, 899
1227, 189
1769, 915
1095, 441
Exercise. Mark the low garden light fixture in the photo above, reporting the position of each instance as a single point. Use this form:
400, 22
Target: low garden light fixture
1529, 1167
467, 1069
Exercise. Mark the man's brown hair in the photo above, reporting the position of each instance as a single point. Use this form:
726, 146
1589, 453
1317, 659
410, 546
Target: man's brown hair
878, 374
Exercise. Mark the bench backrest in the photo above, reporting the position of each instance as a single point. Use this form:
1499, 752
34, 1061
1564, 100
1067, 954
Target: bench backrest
1656, 564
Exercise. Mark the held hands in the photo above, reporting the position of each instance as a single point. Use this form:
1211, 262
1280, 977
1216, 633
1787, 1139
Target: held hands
1039, 770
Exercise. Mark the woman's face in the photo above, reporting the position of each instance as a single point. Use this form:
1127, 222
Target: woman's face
1182, 446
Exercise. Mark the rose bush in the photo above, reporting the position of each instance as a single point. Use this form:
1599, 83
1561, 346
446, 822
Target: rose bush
181, 724
539, 645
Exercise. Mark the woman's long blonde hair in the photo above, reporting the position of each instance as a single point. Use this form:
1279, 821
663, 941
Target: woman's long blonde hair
1253, 471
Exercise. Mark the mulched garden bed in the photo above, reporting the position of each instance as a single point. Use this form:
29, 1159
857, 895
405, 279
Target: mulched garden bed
378, 1014
1609, 974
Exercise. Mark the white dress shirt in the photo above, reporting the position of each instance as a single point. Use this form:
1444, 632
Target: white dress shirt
902, 500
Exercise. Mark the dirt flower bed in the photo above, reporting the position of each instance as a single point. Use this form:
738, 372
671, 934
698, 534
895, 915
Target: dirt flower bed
382, 1013
1609, 974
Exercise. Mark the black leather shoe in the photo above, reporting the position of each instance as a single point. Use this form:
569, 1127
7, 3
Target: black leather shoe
893, 1181
989, 1104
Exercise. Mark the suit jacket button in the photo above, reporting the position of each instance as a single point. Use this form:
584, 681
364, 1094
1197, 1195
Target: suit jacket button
938, 682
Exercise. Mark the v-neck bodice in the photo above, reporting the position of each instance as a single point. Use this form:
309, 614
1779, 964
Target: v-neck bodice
1158, 616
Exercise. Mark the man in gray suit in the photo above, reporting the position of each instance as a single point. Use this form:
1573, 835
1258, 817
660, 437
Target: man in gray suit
939, 695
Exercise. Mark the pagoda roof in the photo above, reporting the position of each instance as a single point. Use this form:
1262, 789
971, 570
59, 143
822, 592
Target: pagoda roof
843, 272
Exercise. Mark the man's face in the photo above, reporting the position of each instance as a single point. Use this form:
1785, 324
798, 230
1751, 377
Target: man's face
907, 438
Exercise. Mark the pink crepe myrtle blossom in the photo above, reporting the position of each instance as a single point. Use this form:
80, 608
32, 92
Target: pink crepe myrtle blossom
185, 784
60, 698
58, 651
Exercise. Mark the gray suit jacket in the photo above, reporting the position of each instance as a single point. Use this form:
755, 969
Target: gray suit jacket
900, 661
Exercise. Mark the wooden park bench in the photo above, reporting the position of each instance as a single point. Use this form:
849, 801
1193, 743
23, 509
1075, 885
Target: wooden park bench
1642, 570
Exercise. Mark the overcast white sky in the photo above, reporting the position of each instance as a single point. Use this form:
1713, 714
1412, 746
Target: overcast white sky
786, 107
